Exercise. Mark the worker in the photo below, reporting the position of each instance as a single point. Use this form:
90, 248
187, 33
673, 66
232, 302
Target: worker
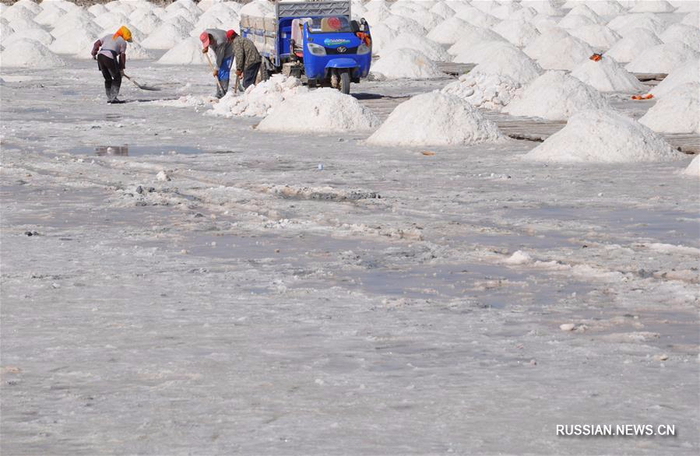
223, 50
110, 53
248, 58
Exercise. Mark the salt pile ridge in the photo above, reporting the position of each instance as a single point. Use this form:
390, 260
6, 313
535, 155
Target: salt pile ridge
604, 136
486, 91
653, 6
259, 100
79, 42
405, 63
555, 96
186, 52
39, 35
694, 168
474, 36
519, 33
599, 37
606, 75
319, 111
165, 36
484, 52
682, 33
431, 49
681, 75
632, 45
435, 119
663, 58
677, 112
30, 54
565, 54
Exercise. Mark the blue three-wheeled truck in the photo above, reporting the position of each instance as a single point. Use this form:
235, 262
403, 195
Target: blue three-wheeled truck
316, 41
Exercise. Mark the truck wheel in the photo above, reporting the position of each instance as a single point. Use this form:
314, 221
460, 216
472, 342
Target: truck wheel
345, 82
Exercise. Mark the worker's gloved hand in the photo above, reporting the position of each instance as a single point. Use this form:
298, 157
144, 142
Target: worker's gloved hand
239, 73
94, 57
205, 50
121, 72
216, 73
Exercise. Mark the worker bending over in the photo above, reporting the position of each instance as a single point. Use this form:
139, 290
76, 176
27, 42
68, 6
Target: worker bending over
223, 50
248, 58
110, 53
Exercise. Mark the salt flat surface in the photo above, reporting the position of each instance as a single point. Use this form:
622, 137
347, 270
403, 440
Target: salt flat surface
215, 292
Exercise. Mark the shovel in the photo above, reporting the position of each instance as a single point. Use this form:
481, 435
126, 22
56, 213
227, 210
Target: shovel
141, 86
211, 65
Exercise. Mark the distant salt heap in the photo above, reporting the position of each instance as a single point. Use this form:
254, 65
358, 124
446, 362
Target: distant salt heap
405, 63
319, 111
259, 100
694, 168
682, 33
663, 58
449, 31
39, 35
30, 54
653, 6
484, 52
186, 52
451, 121
637, 41
473, 36
599, 37
519, 33
431, 49
625, 24
604, 136
681, 75
555, 96
165, 36
677, 112
564, 54
606, 75
79, 42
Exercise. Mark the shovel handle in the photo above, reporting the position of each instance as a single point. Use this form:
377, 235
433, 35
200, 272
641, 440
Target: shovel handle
211, 65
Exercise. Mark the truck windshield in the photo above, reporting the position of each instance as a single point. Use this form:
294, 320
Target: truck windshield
335, 24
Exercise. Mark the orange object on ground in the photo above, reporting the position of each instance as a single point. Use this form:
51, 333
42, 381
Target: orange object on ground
643, 97
596, 57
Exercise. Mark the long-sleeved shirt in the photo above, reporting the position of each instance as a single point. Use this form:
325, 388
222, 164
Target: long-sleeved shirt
111, 48
245, 52
220, 45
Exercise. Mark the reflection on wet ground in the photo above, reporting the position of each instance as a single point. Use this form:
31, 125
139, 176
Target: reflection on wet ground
112, 150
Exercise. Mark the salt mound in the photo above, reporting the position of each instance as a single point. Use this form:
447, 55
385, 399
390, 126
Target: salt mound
484, 52
525, 14
603, 136
148, 22
606, 75
107, 20
449, 31
138, 52
691, 19
381, 37
637, 41
259, 100
165, 36
647, 21
539, 46
565, 54
42, 36
30, 54
5, 31
477, 18
519, 33
319, 111
663, 58
607, 8
555, 96
586, 11
677, 112
402, 24
483, 90
186, 52
653, 6
96, 9
79, 42
259, 8
405, 63
681, 75
431, 49
599, 37
506, 9
24, 24
70, 25
452, 121
694, 168
472, 36
682, 33
18, 11
574, 22
544, 7
510, 62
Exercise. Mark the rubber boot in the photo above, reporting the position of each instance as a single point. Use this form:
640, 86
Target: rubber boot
114, 93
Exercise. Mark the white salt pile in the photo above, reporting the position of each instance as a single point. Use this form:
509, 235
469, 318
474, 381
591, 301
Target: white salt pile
135, 52
606, 75
565, 54
429, 48
681, 75
472, 36
599, 37
555, 96
606, 8
653, 6
604, 136
147, 22
677, 112
486, 91
30, 54
320, 111
624, 24
39, 35
186, 52
510, 62
544, 7
694, 168
663, 58
79, 42
574, 22
519, 33
449, 31
632, 45
404, 25
435, 118
259, 100
405, 63
381, 37
5, 31
682, 33
476, 18
539, 46
165, 36
484, 52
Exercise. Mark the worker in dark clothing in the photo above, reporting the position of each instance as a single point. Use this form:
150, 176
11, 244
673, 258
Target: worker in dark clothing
110, 53
247, 58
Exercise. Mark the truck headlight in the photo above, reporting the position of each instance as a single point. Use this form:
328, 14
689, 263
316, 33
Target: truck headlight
363, 49
316, 49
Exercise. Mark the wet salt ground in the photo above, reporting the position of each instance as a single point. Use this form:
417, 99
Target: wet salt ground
354, 337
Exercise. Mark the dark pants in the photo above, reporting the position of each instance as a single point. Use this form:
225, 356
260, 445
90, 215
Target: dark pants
249, 75
112, 74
